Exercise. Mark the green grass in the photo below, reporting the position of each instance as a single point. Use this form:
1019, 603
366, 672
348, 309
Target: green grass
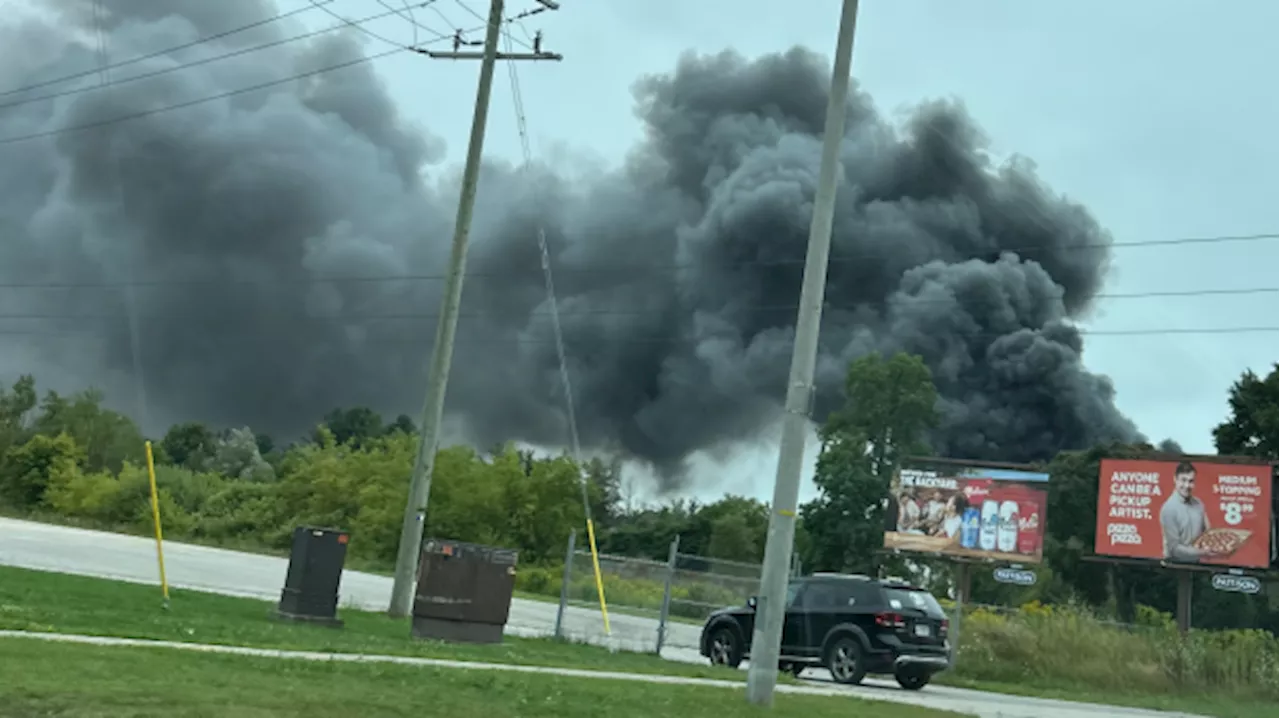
1218, 705
40, 601
71, 681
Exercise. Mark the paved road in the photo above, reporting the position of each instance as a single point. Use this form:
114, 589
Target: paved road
130, 558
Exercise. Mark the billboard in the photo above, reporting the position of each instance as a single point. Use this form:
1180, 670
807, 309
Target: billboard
967, 510
1186, 511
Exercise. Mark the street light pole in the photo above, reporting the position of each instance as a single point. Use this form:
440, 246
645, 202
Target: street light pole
762, 674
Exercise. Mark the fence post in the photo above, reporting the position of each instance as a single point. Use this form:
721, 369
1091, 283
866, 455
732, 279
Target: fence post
666, 593
564, 584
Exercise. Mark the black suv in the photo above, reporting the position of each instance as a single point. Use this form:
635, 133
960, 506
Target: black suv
852, 625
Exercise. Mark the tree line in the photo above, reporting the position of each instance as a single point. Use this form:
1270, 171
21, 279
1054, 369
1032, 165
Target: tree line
70, 458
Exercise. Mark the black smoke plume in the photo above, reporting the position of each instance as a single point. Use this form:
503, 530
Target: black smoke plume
244, 222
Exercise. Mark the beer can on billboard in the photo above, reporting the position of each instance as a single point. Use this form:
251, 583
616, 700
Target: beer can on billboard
970, 527
1007, 527
989, 526
1028, 527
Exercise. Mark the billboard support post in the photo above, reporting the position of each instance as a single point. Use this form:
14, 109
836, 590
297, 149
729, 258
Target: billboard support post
963, 576
1184, 601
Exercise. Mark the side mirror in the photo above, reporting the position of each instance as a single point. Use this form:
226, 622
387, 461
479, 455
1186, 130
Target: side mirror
751, 602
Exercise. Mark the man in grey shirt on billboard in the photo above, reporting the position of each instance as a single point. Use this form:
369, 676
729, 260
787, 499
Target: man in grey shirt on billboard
1183, 518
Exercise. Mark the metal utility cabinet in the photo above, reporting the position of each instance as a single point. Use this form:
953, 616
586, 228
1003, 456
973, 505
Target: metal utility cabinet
315, 574
464, 592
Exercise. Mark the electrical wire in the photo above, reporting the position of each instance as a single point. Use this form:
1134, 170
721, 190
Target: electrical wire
401, 338
544, 256
215, 58
157, 53
372, 34
199, 100
485, 20
629, 268
555, 313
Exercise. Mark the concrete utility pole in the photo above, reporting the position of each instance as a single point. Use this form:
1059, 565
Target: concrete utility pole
442, 353
762, 674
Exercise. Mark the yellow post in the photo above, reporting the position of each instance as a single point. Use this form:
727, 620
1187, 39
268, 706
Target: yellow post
595, 562
155, 514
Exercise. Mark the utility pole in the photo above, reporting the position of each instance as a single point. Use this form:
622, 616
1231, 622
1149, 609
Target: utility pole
762, 673
442, 353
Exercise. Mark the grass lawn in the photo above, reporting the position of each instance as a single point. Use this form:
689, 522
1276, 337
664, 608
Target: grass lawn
1217, 704
72, 681
40, 601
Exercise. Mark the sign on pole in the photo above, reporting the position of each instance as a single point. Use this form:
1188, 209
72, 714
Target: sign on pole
1014, 576
967, 511
1236, 584
1186, 511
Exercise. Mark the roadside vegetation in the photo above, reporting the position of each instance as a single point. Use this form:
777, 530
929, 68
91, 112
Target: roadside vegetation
1085, 630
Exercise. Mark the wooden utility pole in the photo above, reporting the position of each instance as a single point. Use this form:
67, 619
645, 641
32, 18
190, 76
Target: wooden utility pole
442, 353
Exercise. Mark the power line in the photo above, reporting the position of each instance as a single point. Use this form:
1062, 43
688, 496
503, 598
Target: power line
407, 14
223, 95
157, 53
197, 101
507, 36
358, 26
415, 340
625, 312
216, 58
626, 267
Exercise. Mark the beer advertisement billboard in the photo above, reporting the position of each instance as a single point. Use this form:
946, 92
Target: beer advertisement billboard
1186, 511
964, 510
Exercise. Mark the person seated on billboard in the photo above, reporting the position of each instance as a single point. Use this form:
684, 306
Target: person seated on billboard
935, 512
908, 513
1183, 518
953, 517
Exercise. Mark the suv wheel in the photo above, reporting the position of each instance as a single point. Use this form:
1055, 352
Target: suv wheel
844, 660
725, 648
912, 680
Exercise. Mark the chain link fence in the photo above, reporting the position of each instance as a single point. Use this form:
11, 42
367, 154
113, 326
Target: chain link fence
653, 605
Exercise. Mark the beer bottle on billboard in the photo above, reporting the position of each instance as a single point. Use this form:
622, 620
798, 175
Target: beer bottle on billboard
1007, 528
990, 525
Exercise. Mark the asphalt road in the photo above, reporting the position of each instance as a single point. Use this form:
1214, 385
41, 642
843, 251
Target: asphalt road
130, 558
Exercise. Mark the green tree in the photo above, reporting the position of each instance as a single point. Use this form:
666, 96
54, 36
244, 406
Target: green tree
25, 471
189, 445
604, 491
108, 438
1254, 424
354, 426
402, 424
889, 408
15, 412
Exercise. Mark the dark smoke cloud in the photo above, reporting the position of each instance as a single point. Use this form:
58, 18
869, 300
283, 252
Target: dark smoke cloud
677, 272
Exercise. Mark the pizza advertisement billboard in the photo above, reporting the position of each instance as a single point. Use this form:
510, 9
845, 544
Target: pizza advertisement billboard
967, 511
1185, 511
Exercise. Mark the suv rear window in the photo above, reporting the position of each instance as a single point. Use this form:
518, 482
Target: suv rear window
900, 599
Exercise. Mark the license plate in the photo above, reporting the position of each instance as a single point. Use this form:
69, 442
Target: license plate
922, 630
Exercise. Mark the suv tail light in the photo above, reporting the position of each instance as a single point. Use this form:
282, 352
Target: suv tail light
943, 630
890, 620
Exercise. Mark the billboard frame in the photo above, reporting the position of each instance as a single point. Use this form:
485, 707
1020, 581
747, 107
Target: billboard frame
1186, 571
975, 464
